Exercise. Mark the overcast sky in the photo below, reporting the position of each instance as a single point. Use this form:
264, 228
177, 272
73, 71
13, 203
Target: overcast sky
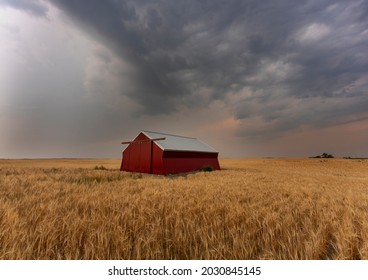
251, 78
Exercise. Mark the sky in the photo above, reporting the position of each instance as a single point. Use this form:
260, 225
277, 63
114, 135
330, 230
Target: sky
250, 78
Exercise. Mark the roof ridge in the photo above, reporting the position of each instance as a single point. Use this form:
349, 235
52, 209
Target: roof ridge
169, 134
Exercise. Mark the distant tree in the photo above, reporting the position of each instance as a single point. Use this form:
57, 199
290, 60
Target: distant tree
326, 155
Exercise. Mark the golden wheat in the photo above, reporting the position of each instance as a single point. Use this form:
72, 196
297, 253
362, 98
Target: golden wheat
252, 209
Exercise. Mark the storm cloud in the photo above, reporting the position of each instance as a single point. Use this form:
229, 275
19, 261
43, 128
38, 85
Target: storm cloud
274, 67
302, 50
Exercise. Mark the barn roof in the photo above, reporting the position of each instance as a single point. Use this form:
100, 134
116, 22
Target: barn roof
179, 143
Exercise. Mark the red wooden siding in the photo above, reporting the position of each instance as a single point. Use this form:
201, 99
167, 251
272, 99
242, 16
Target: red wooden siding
157, 162
181, 165
136, 157
145, 156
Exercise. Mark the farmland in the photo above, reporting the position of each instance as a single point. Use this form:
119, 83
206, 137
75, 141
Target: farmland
252, 209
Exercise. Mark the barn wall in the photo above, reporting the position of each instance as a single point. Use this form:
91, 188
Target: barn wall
157, 162
183, 164
134, 157
125, 162
137, 157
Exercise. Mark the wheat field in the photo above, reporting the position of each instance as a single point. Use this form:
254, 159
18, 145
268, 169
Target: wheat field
252, 209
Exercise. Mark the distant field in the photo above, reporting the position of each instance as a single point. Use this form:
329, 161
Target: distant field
252, 209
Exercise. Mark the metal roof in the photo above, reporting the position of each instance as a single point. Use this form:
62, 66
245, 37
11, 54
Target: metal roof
179, 143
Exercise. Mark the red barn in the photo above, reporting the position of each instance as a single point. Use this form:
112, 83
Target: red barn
160, 153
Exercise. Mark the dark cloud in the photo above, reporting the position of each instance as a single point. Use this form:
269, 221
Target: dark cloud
33, 7
276, 66
283, 51
180, 47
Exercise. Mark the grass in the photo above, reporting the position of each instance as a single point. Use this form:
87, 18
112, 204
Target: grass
252, 209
